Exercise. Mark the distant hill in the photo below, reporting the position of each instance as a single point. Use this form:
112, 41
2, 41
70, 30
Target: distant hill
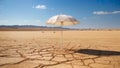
45, 28
29, 28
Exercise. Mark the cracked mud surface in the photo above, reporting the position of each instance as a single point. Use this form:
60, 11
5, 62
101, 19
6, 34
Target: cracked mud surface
81, 49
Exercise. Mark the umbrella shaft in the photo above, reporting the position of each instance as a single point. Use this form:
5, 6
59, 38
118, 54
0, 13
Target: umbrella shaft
61, 45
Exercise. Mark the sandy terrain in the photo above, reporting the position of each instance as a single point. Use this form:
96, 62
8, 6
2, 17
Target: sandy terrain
81, 49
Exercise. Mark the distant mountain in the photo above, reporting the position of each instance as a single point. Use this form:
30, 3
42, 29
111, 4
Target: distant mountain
21, 26
44, 28
29, 28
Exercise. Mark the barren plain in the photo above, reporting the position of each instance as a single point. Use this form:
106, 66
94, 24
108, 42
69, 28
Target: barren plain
40, 49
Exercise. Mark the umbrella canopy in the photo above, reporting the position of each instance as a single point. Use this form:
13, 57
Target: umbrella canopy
62, 20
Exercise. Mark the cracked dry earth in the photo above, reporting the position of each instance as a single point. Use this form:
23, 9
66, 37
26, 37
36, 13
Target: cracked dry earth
81, 49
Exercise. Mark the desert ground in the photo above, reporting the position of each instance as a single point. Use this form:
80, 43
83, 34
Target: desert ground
40, 49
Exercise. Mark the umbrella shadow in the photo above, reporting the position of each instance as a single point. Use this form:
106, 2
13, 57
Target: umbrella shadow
98, 52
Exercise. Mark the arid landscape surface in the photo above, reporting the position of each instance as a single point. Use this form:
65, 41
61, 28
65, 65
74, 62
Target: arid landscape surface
40, 49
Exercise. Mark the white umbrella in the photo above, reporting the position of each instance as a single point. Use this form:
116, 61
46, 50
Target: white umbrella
62, 20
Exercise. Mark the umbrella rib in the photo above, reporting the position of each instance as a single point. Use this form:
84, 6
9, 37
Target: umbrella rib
72, 21
56, 19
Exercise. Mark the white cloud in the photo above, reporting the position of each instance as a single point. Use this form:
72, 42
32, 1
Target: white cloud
40, 7
103, 12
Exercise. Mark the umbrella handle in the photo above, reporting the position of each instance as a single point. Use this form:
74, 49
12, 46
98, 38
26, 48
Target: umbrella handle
61, 45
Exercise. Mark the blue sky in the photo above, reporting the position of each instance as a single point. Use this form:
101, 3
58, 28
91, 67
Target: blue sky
91, 13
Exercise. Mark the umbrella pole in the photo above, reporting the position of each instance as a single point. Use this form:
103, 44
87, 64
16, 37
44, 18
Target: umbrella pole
61, 45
